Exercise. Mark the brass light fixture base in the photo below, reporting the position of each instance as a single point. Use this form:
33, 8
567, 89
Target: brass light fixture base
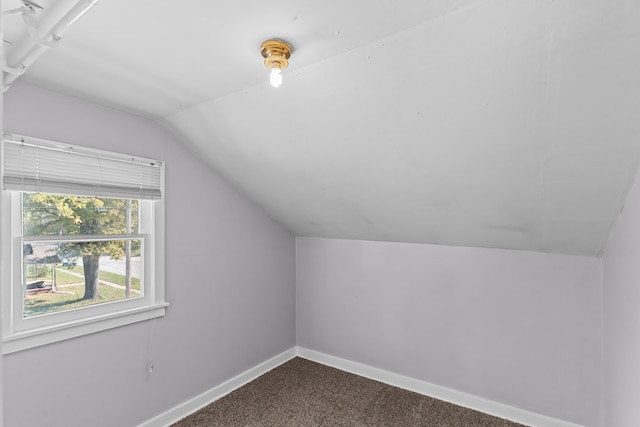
276, 53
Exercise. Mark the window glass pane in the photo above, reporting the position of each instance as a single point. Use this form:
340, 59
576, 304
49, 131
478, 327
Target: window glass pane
67, 275
54, 214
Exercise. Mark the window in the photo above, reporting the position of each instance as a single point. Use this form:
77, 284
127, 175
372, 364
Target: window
82, 245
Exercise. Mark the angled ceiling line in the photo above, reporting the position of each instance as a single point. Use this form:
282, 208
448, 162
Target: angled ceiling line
323, 60
453, 10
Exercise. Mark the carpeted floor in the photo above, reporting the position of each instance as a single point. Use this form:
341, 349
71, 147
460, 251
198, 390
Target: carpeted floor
302, 393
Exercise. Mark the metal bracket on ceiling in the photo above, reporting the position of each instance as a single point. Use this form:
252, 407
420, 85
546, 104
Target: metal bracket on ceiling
31, 4
38, 45
12, 70
27, 5
29, 18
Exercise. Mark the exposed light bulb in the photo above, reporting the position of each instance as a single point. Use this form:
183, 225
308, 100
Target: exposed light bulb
275, 78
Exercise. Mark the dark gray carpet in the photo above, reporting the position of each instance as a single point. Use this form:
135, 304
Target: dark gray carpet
302, 393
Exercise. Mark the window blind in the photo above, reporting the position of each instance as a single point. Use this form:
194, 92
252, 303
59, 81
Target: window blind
37, 165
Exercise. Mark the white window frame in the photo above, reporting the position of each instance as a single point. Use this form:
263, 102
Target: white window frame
20, 333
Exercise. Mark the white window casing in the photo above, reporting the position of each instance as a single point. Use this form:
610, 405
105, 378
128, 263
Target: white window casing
36, 165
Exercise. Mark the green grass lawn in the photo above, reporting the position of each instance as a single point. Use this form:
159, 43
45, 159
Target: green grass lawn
71, 290
65, 278
106, 276
70, 296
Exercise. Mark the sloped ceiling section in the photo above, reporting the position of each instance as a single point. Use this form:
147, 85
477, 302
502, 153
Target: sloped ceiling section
477, 123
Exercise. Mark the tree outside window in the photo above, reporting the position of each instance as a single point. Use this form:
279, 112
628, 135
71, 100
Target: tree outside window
96, 218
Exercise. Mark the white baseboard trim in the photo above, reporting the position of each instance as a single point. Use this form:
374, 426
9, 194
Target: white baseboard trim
448, 395
442, 393
190, 406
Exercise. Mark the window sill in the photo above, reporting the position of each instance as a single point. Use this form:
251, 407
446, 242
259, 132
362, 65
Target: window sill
37, 337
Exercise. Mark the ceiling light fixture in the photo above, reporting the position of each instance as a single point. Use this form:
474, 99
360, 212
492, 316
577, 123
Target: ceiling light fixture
276, 54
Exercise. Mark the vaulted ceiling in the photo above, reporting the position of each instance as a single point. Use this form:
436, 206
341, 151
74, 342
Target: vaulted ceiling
492, 123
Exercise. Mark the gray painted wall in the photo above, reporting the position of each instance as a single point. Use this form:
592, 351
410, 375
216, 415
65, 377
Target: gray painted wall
516, 327
519, 328
1, 255
621, 302
230, 280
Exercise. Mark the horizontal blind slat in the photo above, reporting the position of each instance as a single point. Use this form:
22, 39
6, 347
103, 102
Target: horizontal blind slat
34, 165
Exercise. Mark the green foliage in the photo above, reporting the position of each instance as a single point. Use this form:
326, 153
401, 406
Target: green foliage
54, 214
38, 271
